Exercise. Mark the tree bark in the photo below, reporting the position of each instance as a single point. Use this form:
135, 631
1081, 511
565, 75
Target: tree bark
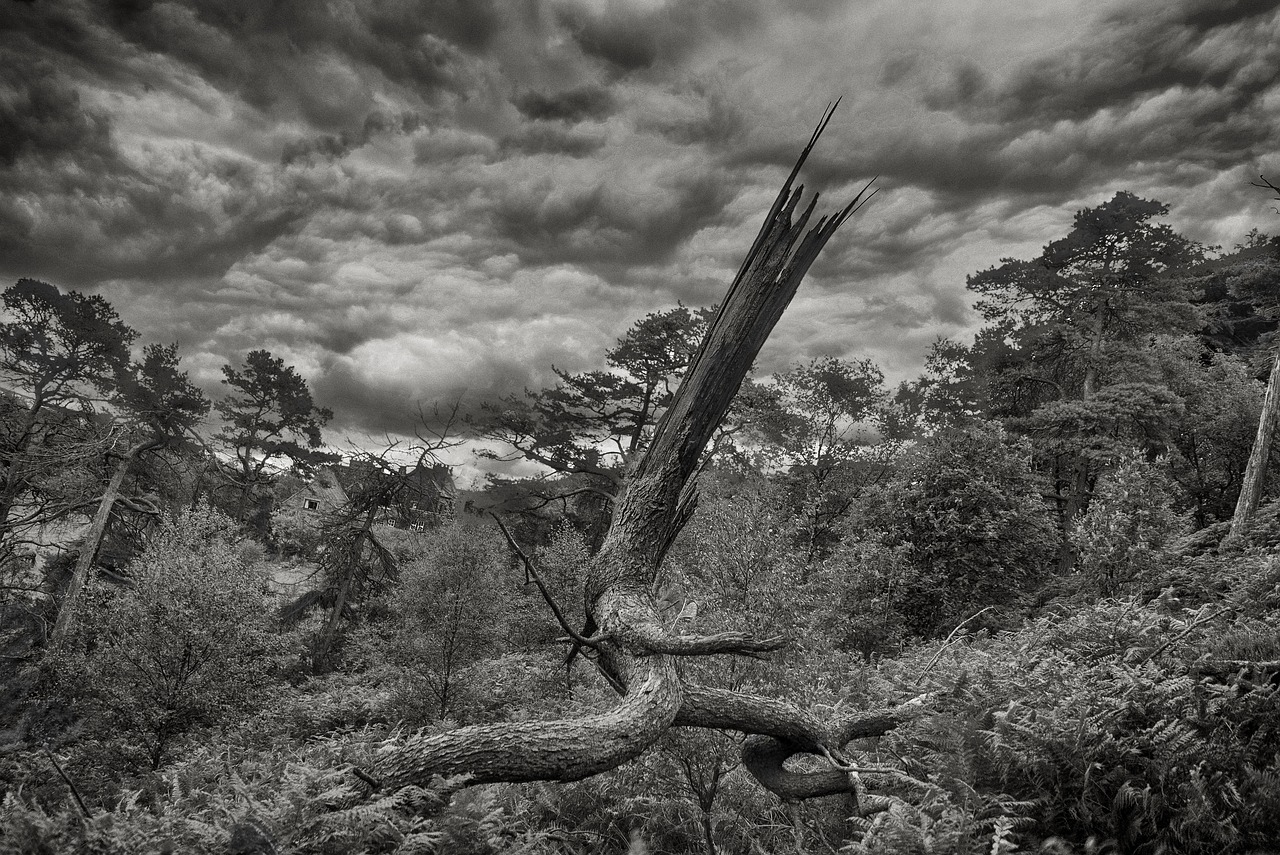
1078, 488
93, 541
634, 648
1255, 471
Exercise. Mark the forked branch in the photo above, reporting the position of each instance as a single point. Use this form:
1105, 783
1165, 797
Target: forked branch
531, 574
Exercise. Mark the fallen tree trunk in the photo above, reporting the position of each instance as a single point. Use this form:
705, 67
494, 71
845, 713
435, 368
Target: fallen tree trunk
633, 648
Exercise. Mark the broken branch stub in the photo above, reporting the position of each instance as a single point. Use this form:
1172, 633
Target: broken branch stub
634, 649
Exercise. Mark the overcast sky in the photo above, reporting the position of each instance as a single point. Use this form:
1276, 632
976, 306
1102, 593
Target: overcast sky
412, 201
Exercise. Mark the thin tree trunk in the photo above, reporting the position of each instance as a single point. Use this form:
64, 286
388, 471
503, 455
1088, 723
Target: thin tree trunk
93, 541
1255, 472
1077, 492
9, 488
323, 650
1078, 489
708, 832
706, 804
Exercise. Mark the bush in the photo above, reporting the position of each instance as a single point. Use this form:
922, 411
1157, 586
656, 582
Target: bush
449, 611
295, 533
187, 645
1123, 539
968, 512
1116, 723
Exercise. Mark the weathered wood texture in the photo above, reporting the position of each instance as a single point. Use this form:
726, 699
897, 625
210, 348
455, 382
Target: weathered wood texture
1255, 471
635, 649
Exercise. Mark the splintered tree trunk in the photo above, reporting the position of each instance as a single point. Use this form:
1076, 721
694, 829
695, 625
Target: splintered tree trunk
634, 648
1255, 471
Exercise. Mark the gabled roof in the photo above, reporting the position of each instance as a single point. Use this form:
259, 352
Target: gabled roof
436, 479
324, 487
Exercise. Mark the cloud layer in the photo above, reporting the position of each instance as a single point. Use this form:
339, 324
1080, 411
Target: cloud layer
413, 201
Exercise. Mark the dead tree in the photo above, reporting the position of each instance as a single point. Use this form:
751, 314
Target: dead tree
1255, 472
633, 648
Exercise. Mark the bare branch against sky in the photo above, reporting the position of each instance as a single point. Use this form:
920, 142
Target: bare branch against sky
408, 200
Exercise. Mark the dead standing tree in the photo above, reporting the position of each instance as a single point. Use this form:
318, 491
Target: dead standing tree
633, 648
1255, 472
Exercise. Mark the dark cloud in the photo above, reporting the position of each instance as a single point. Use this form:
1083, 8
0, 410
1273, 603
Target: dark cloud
962, 86
1164, 88
65, 35
898, 68
608, 222
544, 139
1167, 89
334, 146
322, 60
708, 119
365, 408
470, 24
1133, 56
1209, 14
627, 39
570, 106
41, 116
632, 38
91, 215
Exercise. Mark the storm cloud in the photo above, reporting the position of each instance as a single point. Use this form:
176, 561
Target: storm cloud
423, 201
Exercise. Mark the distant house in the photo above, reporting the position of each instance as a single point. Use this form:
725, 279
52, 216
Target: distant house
430, 495
322, 495
415, 498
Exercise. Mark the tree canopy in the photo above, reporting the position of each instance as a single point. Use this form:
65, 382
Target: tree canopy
268, 414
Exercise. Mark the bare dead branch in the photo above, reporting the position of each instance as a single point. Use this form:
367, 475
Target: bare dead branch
373, 783
544, 499
75, 794
1228, 666
946, 643
1185, 632
737, 643
1266, 185
531, 574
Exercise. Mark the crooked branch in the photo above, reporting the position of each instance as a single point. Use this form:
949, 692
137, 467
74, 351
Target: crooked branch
531, 573
75, 793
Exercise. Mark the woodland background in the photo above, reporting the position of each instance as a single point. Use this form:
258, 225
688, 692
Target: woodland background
204, 638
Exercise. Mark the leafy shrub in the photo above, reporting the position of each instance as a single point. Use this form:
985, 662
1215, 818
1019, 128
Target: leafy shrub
296, 533
187, 645
449, 612
866, 596
968, 512
1123, 540
1114, 722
